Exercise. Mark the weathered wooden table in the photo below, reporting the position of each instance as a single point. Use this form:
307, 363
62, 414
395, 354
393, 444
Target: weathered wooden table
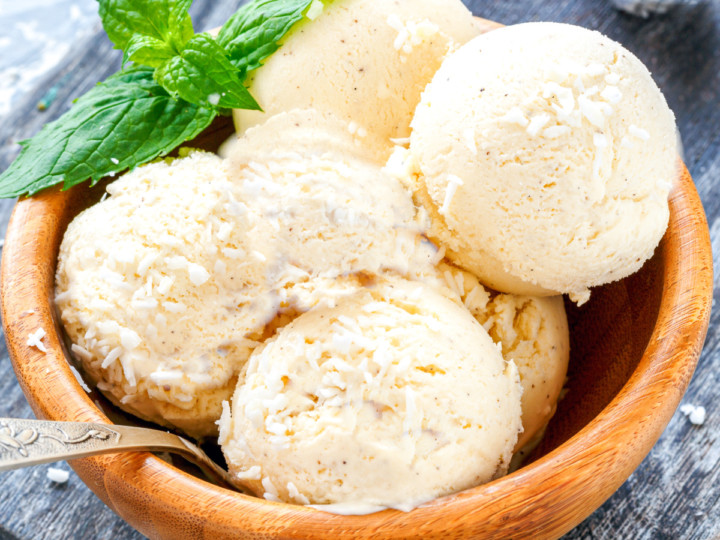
675, 493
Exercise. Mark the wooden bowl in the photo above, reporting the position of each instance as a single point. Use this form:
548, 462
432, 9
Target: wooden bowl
634, 347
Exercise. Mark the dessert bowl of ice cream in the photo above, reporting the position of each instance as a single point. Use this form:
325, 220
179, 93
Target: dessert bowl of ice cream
634, 346
352, 299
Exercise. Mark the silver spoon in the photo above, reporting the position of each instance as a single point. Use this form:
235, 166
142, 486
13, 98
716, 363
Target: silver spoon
33, 442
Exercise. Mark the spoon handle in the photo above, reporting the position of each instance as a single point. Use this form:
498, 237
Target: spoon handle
32, 442
24, 443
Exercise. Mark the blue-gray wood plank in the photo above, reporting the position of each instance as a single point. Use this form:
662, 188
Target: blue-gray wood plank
673, 493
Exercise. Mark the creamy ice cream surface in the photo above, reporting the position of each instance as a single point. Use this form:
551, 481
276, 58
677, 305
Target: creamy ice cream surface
166, 286
161, 285
547, 166
335, 210
367, 61
392, 397
533, 333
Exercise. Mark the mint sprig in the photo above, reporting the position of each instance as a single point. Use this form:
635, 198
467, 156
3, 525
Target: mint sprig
179, 82
118, 124
203, 74
164, 20
159, 34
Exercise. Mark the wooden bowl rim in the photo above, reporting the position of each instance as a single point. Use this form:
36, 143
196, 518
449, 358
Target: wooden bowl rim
666, 366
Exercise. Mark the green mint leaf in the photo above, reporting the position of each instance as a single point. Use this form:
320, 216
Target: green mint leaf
203, 75
119, 124
165, 20
148, 51
253, 33
135, 74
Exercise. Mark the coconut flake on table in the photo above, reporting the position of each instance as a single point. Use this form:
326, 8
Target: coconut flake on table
695, 413
59, 476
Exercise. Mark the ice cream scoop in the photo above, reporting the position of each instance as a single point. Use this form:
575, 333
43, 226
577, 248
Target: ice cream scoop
546, 154
161, 286
334, 209
364, 60
532, 332
393, 397
166, 286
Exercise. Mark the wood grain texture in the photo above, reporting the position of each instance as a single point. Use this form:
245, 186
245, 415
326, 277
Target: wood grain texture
672, 494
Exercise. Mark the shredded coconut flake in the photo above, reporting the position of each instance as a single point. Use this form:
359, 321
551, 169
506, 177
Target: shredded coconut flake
165, 284
409, 423
144, 303
111, 357
696, 414
553, 132
600, 140
253, 473
79, 379
224, 423
59, 476
591, 111
469, 140
161, 377
296, 495
198, 275
453, 183
145, 262
128, 371
612, 94
220, 268
232, 253
400, 141
639, 133
213, 99
174, 307
612, 79
515, 116
176, 263
81, 352
269, 487
595, 70
537, 123
129, 339
35, 340
438, 256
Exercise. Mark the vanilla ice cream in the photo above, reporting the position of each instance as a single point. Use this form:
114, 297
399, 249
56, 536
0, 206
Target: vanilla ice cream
546, 154
165, 287
393, 397
335, 210
533, 332
161, 285
366, 61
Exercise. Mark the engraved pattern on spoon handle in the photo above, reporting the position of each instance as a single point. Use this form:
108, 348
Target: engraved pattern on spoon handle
32, 442
24, 443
